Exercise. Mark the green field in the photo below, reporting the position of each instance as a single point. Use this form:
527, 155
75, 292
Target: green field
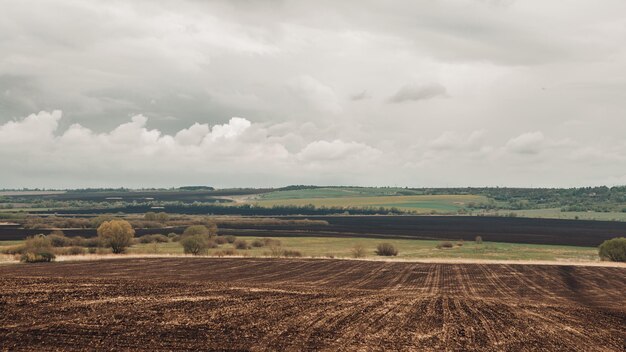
408, 249
422, 204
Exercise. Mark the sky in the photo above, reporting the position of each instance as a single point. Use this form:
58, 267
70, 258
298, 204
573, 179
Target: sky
267, 93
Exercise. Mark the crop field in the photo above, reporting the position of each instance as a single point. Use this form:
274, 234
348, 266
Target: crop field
417, 203
493, 229
294, 305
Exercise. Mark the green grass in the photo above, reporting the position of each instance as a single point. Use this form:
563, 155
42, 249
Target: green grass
417, 203
336, 192
408, 249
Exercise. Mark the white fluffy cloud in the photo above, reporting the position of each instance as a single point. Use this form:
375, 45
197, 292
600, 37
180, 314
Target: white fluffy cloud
240, 152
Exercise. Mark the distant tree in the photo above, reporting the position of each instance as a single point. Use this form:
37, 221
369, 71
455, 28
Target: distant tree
479, 239
195, 244
613, 249
117, 234
196, 230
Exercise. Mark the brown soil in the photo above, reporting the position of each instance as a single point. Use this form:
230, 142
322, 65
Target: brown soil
305, 304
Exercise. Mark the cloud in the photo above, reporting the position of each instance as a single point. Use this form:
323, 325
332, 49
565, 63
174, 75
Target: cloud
527, 143
337, 150
360, 96
33, 129
414, 92
317, 94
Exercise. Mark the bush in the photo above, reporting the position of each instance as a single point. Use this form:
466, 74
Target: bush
478, 240
58, 239
37, 249
117, 234
43, 257
156, 238
76, 251
92, 250
173, 237
613, 249
386, 249
241, 244
195, 244
91, 242
271, 242
358, 251
275, 251
226, 252
445, 244
221, 240
291, 253
231, 239
258, 243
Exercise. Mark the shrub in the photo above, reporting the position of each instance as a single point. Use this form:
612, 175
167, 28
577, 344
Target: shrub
212, 244
271, 242
291, 253
221, 240
358, 251
613, 249
37, 249
92, 250
276, 251
92, 242
117, 234
145, 239
156, 238
445, 244
173, 237
231, 238
478, 240
43, 257
195, 244
258, 243
57, 239
226, 252
386, 249
75, 251
241, 244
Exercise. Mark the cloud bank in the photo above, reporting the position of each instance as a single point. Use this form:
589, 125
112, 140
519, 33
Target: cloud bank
35, 150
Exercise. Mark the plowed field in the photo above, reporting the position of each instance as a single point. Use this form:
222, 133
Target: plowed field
301, 304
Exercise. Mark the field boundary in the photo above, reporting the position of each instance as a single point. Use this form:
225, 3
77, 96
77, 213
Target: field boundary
99, 257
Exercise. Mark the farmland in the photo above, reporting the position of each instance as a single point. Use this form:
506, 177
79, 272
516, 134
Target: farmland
493, 229
297, 304
418, 204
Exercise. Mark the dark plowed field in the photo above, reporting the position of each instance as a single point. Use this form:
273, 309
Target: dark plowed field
495, 229
333, 305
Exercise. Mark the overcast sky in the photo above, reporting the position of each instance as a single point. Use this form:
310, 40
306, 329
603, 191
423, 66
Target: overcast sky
270, 93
